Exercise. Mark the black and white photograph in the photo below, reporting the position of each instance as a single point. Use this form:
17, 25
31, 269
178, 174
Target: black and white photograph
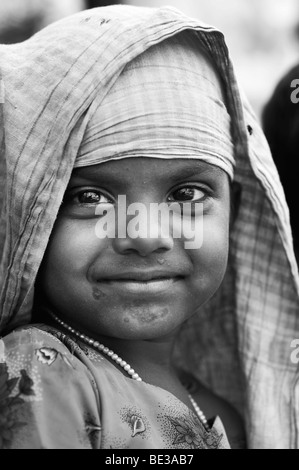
160, 315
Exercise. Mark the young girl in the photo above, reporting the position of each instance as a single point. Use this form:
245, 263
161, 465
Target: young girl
111, 340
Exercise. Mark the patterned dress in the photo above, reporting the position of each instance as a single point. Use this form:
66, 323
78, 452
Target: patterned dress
57, 394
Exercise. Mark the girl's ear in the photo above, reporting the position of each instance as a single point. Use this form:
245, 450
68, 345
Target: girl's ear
236, 193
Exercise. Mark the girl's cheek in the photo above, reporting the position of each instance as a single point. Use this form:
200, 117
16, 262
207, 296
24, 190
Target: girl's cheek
212, 255
192, 228
74, 244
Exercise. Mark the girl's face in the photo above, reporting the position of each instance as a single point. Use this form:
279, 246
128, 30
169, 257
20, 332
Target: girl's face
128, 287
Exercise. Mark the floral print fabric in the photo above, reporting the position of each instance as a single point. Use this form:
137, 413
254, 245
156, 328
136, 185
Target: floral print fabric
55, 394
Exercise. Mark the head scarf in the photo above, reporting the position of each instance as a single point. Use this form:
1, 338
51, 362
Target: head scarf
241, 340
167, 103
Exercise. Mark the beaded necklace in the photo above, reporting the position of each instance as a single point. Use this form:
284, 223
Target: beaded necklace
118, 360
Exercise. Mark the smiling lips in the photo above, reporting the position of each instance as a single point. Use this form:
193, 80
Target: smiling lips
140, 282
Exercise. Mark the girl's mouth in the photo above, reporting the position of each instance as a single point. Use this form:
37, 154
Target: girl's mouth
140, 282
152, 286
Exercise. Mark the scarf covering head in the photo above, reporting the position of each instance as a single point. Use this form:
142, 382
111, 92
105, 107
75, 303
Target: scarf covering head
49, 86
167, 103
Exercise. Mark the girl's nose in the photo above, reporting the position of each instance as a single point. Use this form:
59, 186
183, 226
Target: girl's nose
142, 246
148, 240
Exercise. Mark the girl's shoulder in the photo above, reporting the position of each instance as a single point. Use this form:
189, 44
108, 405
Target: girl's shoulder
32, 338
37, 346
44, 388
213, 405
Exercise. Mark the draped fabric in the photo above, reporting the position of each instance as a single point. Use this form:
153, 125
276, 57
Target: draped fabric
94, 407
239, 344
167, 103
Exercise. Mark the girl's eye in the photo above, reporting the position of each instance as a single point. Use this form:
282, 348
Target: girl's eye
88, 197
92, 197
187, 194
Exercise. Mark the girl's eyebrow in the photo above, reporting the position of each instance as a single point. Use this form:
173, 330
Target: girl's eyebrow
197, 169
185, 171
94, 177
89, 174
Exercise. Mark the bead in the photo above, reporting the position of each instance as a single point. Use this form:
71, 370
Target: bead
199, 413
135, 376
110, 353
114, 357
96, 344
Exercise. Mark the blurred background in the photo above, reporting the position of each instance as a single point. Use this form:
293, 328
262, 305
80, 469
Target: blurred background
262, 35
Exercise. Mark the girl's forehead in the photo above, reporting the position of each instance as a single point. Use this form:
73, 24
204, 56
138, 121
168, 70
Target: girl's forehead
156, 168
